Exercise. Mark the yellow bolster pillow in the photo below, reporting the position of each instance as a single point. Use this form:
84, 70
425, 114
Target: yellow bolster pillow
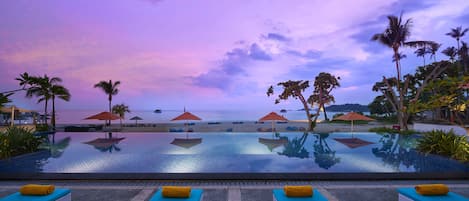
432, 189
298, 191
176, 191
35, 189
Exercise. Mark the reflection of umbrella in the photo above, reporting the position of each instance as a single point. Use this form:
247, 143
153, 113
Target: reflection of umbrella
353, 142
136, 118
272, 143
273, 117
186, 116
352, 116
186, 143
105, 144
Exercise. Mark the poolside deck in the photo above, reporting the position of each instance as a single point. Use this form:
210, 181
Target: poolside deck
225, 190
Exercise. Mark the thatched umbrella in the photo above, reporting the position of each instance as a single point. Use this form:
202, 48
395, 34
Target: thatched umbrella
185, 117
352, 116
273, 117
136, 118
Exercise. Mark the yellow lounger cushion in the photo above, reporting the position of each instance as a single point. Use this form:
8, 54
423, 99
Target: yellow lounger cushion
35, 189
432, 189
176, 191
298, 191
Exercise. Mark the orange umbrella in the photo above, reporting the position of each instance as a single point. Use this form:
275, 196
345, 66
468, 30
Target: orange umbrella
104, 116
273, 117
352, 116
186, 116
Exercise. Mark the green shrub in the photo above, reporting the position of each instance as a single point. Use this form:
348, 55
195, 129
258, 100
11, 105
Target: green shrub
446, 144
42, 127
17, 140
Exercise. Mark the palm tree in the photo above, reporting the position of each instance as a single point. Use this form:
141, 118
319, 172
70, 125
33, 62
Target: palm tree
110, 88
450, 52
60, 92
120, 109
433, 49
421, 52
4, 99
457, 33
324, 83
395, 36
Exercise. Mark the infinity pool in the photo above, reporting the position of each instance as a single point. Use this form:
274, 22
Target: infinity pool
230, 153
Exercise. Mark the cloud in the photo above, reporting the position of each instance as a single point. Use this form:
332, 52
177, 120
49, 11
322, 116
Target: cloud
234, 64
277, 37
309, 54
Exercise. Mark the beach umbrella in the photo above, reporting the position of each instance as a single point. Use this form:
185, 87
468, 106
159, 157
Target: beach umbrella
186, 143
272, 143
136, 118
104, 116
186, 116
273, 117
352, 116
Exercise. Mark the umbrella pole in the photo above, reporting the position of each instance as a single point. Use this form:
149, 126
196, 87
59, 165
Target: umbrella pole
273, 129
352, 128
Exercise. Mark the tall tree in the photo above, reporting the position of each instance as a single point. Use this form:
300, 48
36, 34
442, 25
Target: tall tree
396, 36
58, 91
457, 33
324, 83
120, 109
110, 88
451, 52
421, 52
433, 50
294, 89
4, 99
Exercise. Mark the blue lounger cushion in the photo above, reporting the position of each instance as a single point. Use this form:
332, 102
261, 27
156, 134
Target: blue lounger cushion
280, 196
412, 194
57, 194
196, 195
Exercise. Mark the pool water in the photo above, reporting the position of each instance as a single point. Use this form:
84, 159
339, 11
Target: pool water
230, 153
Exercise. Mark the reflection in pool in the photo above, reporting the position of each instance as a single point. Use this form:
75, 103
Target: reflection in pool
231, 153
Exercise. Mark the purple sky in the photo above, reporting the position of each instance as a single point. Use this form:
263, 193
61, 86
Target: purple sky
209, 54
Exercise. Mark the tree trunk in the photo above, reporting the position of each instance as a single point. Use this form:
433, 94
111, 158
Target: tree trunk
45, 112
110, 110
53, 113
325, 114
308, 115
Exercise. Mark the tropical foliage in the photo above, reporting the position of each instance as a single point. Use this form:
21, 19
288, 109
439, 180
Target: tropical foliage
17, 140
395, 36
109, 88
4, 99
323, 85
446, 144
45, 88
120, 109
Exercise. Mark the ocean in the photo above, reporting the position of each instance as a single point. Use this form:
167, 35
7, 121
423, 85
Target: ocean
78, 116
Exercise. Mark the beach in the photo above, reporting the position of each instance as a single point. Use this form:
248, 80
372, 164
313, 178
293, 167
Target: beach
237, 126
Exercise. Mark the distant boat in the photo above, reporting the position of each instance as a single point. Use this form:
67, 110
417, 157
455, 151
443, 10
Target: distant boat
283, 110
157, 111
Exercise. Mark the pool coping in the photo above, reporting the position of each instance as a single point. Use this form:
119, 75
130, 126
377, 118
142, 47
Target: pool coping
237, 176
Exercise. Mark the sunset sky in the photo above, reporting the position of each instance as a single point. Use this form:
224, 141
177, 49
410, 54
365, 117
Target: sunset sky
209, 54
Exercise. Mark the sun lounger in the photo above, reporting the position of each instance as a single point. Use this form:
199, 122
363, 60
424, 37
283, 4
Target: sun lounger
279, 195
409, 194
196, 195
59, 194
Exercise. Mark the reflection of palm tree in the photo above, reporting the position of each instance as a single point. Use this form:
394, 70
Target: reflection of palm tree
324, 155
295, 147
395, 150
57, 149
